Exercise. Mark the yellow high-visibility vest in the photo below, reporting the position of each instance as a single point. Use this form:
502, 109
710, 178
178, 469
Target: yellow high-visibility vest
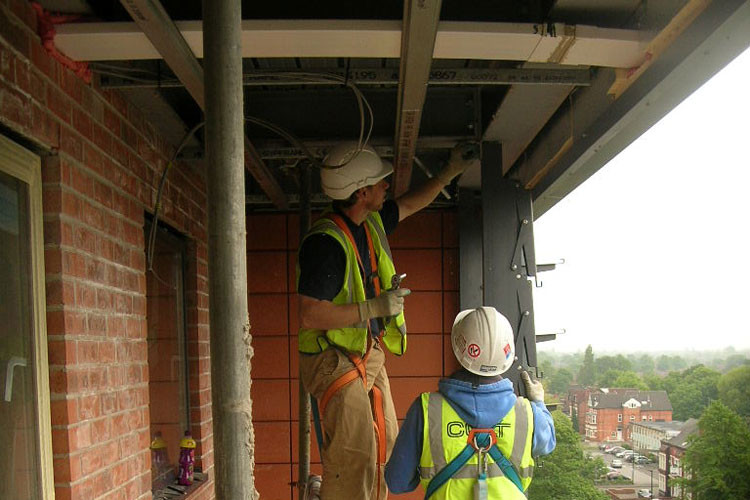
354, 338
445, 436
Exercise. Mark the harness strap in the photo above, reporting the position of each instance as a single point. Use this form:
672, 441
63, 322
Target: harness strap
339, 221
460, 460
449, 470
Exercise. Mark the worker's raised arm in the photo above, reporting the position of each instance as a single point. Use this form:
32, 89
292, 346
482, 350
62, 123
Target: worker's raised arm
417, 199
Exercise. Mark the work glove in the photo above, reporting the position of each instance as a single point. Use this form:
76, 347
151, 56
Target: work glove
388, 303
463, 155
534, 388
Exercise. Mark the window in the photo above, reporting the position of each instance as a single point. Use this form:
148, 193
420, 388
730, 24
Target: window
593, 418
650, 418
619, 417
613, 434
643, 418
167, 366
632, 418
26, 452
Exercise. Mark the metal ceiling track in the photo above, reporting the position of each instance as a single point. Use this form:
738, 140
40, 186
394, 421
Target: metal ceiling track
421, 19
154, 21
580, 77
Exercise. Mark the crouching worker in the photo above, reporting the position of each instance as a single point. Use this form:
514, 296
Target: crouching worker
474, 438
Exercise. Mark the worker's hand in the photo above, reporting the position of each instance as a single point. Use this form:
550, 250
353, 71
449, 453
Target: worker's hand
534, 388
462, 157
388, 303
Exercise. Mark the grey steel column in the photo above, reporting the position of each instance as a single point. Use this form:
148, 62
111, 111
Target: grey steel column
304, 397
234, 442
508, 256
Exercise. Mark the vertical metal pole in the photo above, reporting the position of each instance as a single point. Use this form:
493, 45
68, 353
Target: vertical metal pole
304, 397
231, 351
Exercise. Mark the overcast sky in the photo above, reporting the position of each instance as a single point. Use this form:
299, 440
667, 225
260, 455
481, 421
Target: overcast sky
657, 243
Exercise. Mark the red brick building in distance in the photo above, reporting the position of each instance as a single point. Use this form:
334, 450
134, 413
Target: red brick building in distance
670, 459
610, 411
575, 405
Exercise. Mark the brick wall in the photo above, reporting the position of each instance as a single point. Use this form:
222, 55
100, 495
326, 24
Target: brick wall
101, 161
425, 246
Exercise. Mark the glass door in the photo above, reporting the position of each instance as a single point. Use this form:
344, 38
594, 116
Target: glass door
25, 442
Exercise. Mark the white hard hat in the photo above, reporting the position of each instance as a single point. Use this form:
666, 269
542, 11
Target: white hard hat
359, 168
482, 341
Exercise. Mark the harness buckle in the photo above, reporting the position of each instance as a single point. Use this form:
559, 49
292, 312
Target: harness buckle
473, 435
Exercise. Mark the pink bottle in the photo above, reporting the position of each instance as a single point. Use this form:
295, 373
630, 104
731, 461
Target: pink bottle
187, 460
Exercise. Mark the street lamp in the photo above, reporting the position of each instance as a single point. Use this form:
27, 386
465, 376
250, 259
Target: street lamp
652, 482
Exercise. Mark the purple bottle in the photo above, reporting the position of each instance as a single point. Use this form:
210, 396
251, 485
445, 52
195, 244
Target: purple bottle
187, 460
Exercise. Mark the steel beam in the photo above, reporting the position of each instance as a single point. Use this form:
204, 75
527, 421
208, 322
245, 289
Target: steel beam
156, 24
507, 251
470, 249
716, 37
384, 76
514, 126
421, 19
231, 349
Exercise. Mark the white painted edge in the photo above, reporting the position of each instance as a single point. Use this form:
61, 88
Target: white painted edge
367, 39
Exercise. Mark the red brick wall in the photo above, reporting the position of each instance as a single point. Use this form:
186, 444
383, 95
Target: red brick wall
425, 246
606, 421
101, 161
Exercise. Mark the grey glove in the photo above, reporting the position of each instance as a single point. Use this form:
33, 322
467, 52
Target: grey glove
456, 165
534, 388
388, 303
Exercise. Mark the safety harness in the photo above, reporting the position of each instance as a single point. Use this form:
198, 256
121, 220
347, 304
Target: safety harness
481, 442
359, 362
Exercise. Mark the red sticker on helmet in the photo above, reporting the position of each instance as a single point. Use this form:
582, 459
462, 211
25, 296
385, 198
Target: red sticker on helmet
506, 350
474, 350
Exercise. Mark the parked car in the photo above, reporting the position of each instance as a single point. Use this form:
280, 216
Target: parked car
614, 449
624, 453
613, 475
603, 446
617, 463
644, 493
642, 460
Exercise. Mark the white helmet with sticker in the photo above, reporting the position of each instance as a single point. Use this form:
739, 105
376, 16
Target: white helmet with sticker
482, 341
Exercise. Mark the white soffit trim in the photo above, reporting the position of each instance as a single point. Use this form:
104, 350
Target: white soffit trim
579, 45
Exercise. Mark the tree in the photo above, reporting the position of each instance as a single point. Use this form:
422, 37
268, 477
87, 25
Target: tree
644, 364
692, 391
618, 362
567, 474
559, 382
734, 390
718, 457
630, 379
586, 374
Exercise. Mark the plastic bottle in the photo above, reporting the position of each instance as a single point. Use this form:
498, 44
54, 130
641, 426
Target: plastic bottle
159, 455
187, 460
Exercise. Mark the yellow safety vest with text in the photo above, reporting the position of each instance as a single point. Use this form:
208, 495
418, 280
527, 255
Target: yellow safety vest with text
445, 436
354, 338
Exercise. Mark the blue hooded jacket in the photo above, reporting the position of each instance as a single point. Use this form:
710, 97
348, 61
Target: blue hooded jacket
481, 406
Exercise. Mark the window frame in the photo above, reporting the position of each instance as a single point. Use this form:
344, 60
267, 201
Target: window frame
26, 166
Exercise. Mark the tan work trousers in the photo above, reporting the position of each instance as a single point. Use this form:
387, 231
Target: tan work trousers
349, 451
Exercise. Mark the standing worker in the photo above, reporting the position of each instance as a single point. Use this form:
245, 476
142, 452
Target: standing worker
474, 438
350, 305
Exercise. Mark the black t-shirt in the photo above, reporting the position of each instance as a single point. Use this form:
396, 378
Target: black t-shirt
322, 261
